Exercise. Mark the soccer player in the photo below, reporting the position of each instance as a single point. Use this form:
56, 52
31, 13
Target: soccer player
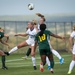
29, 42
72, 46
2, 34
42, 20
29, 49
44, 47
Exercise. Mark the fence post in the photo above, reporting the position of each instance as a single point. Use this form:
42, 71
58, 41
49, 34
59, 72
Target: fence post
65, 34
56, 38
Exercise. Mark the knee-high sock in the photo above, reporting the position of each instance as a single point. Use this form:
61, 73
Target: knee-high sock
47, 61
56, 53
3, 61
13, 49
28, 52
34, 61
71, 65
52, 63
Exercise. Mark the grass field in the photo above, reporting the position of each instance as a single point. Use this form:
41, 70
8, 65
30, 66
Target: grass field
18, 66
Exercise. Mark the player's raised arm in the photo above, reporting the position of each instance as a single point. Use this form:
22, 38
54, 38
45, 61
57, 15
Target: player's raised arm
5, 42
21, 35
57, 36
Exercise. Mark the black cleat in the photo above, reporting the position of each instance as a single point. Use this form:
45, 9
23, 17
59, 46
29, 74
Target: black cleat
7, 53
35, 68
5, 68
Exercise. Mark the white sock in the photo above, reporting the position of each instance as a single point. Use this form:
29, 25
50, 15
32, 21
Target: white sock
13, 49
34, 61
56, 53
47, 61
71, 65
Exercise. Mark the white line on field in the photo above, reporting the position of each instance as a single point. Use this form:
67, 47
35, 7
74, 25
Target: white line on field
14, 60
22, 65
29, 58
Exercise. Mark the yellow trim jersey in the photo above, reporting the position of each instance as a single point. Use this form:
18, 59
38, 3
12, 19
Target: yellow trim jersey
1, 35
43, 41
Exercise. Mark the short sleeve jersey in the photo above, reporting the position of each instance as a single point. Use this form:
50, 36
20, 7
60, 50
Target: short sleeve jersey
39, 27
73, 35
43, 41
1, 35
31, 33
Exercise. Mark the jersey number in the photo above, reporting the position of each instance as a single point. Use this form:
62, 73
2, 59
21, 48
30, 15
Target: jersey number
42, 38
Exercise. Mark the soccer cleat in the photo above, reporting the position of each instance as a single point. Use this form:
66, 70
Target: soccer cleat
35, 68
51, 70
49, 67
41, 67
6, 53
69, 72
5, 68
24, 57
61, 60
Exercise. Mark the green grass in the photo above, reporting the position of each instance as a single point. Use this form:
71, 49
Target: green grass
18, 66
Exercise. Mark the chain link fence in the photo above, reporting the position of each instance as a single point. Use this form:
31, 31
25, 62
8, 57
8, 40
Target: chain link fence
60, 28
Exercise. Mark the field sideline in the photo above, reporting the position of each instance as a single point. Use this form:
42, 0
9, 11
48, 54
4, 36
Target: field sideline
18, 66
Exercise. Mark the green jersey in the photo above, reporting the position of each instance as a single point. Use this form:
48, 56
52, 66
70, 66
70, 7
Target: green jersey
1, 35
43, 41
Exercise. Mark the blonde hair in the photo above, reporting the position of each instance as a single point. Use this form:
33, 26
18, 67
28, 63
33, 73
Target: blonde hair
35, 22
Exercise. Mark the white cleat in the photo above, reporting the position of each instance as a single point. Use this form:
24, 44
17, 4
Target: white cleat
24, 57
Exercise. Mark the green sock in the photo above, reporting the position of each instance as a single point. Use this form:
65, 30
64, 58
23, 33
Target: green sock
3, 61
52, 63
28, 52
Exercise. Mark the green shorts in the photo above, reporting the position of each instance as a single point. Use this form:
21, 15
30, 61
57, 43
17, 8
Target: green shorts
45, 52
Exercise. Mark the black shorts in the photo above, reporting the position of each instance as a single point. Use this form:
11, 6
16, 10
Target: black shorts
45, 52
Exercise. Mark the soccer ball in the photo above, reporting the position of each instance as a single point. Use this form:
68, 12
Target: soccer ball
30, 6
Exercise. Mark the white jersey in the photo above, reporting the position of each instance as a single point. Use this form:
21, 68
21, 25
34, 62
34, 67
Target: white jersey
39, 27
73, 36
32, 34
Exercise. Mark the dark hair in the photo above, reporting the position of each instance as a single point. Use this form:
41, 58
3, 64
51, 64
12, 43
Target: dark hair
42, 28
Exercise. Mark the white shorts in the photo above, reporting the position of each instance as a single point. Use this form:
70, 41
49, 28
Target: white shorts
30, 42
73, 51
51, 47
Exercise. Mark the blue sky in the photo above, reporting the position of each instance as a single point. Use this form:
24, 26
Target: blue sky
19, 7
